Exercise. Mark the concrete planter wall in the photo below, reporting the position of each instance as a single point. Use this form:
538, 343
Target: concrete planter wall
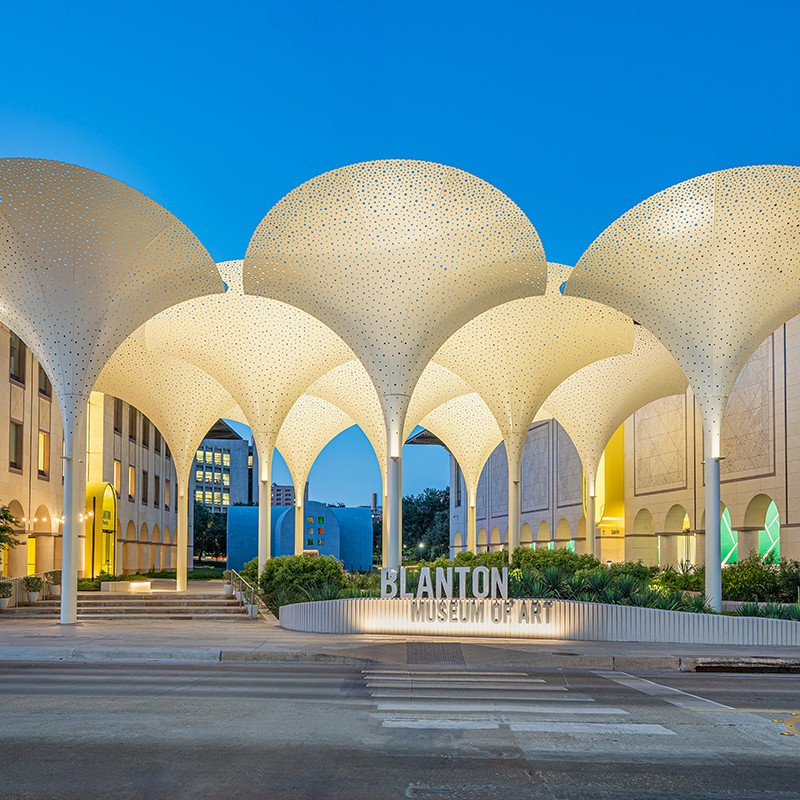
534, 619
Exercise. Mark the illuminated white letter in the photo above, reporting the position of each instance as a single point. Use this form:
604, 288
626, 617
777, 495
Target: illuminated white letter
424, 587
388, 583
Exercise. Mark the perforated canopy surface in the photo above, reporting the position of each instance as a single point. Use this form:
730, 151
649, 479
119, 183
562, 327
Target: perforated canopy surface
395, 256
594, 401
711, 266
87, 260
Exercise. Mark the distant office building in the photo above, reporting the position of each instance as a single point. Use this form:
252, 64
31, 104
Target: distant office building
220, 475
285, 496
345, 533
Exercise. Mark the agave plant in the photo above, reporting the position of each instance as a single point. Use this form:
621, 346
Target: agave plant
646, 598
673, 601
750, 610
774, 610
554, 578
611, 595
697, 604
598, 580
792, 612
627, 585
587, 597
573, 587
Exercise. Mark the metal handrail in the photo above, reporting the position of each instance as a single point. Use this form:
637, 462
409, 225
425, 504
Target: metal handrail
252, 591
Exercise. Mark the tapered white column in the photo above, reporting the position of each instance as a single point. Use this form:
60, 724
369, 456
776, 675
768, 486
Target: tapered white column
591, 544
74, 503
472, 521
265, 511
394, 499
385, 527
713, 566
299, 523
514, 444
182, 538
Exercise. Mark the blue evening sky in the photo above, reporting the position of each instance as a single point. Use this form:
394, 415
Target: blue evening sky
576, 110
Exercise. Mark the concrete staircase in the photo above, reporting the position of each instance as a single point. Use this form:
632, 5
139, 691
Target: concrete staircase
130, 607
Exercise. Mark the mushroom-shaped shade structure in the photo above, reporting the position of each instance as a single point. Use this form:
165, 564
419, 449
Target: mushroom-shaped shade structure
182, 401
514, 355
266, 353
593, 402
395, 256
711, 266
307, 429
470, 432
85, 261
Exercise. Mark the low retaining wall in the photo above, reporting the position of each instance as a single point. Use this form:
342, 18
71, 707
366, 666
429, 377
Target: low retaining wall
534, 619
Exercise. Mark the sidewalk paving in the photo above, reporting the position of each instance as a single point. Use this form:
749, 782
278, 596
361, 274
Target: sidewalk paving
263, 640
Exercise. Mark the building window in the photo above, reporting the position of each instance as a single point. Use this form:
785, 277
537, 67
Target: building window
168, 454
157, 491
458, 486
226, 457
132, 423
145, 431
217, 477
198, 495
226, 498
320, 542
15, 439
226, 479
167, 493
45, 387
117, 476
200, 457
218, 458
209, 457
157, 440
132, 484
198, 476
117, 415
217, 498
209, 476
16, 366
43, 458
208, 498
309, 542
145, 487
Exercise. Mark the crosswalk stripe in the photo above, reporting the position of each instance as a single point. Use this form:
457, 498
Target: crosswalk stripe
592, 728
458, 694
466, 687
501, 706
466, 677
441, 724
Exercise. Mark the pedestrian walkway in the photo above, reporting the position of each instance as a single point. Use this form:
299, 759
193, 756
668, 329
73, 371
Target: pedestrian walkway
264, 640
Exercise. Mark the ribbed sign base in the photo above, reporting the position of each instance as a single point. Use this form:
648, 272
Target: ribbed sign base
533, 619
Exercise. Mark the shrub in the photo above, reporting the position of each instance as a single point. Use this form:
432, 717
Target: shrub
5, 589
304, 572
32, 583
497, 559
750, 580
88, 584
568, 562
789, 581
250, 571
634, 569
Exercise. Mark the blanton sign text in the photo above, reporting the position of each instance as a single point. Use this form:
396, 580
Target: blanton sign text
462, 594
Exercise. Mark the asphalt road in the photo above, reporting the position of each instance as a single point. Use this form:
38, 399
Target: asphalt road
303, 731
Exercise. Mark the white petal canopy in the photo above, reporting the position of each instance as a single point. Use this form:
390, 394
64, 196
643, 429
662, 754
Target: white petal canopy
594, 401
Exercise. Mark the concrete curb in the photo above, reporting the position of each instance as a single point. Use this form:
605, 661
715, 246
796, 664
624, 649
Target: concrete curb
622, 663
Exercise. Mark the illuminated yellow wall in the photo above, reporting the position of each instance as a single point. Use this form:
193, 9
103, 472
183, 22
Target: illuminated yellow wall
101, 529
610, 504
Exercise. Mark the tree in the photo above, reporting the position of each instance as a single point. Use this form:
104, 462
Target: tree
8, 523
426, 522
210, 533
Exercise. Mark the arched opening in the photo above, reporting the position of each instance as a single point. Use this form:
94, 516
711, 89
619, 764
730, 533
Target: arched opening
17, 557
155, 548
543, 535
129, 549
761, 531
482, 542
143, 550
526, 536
457, 545
641, 542
44, 540
563, 533
101, 530
496, 542
729, 544
166, 550
674, 540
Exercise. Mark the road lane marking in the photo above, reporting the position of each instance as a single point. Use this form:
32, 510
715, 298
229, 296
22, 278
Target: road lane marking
675, 697
506, 708
442, 724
